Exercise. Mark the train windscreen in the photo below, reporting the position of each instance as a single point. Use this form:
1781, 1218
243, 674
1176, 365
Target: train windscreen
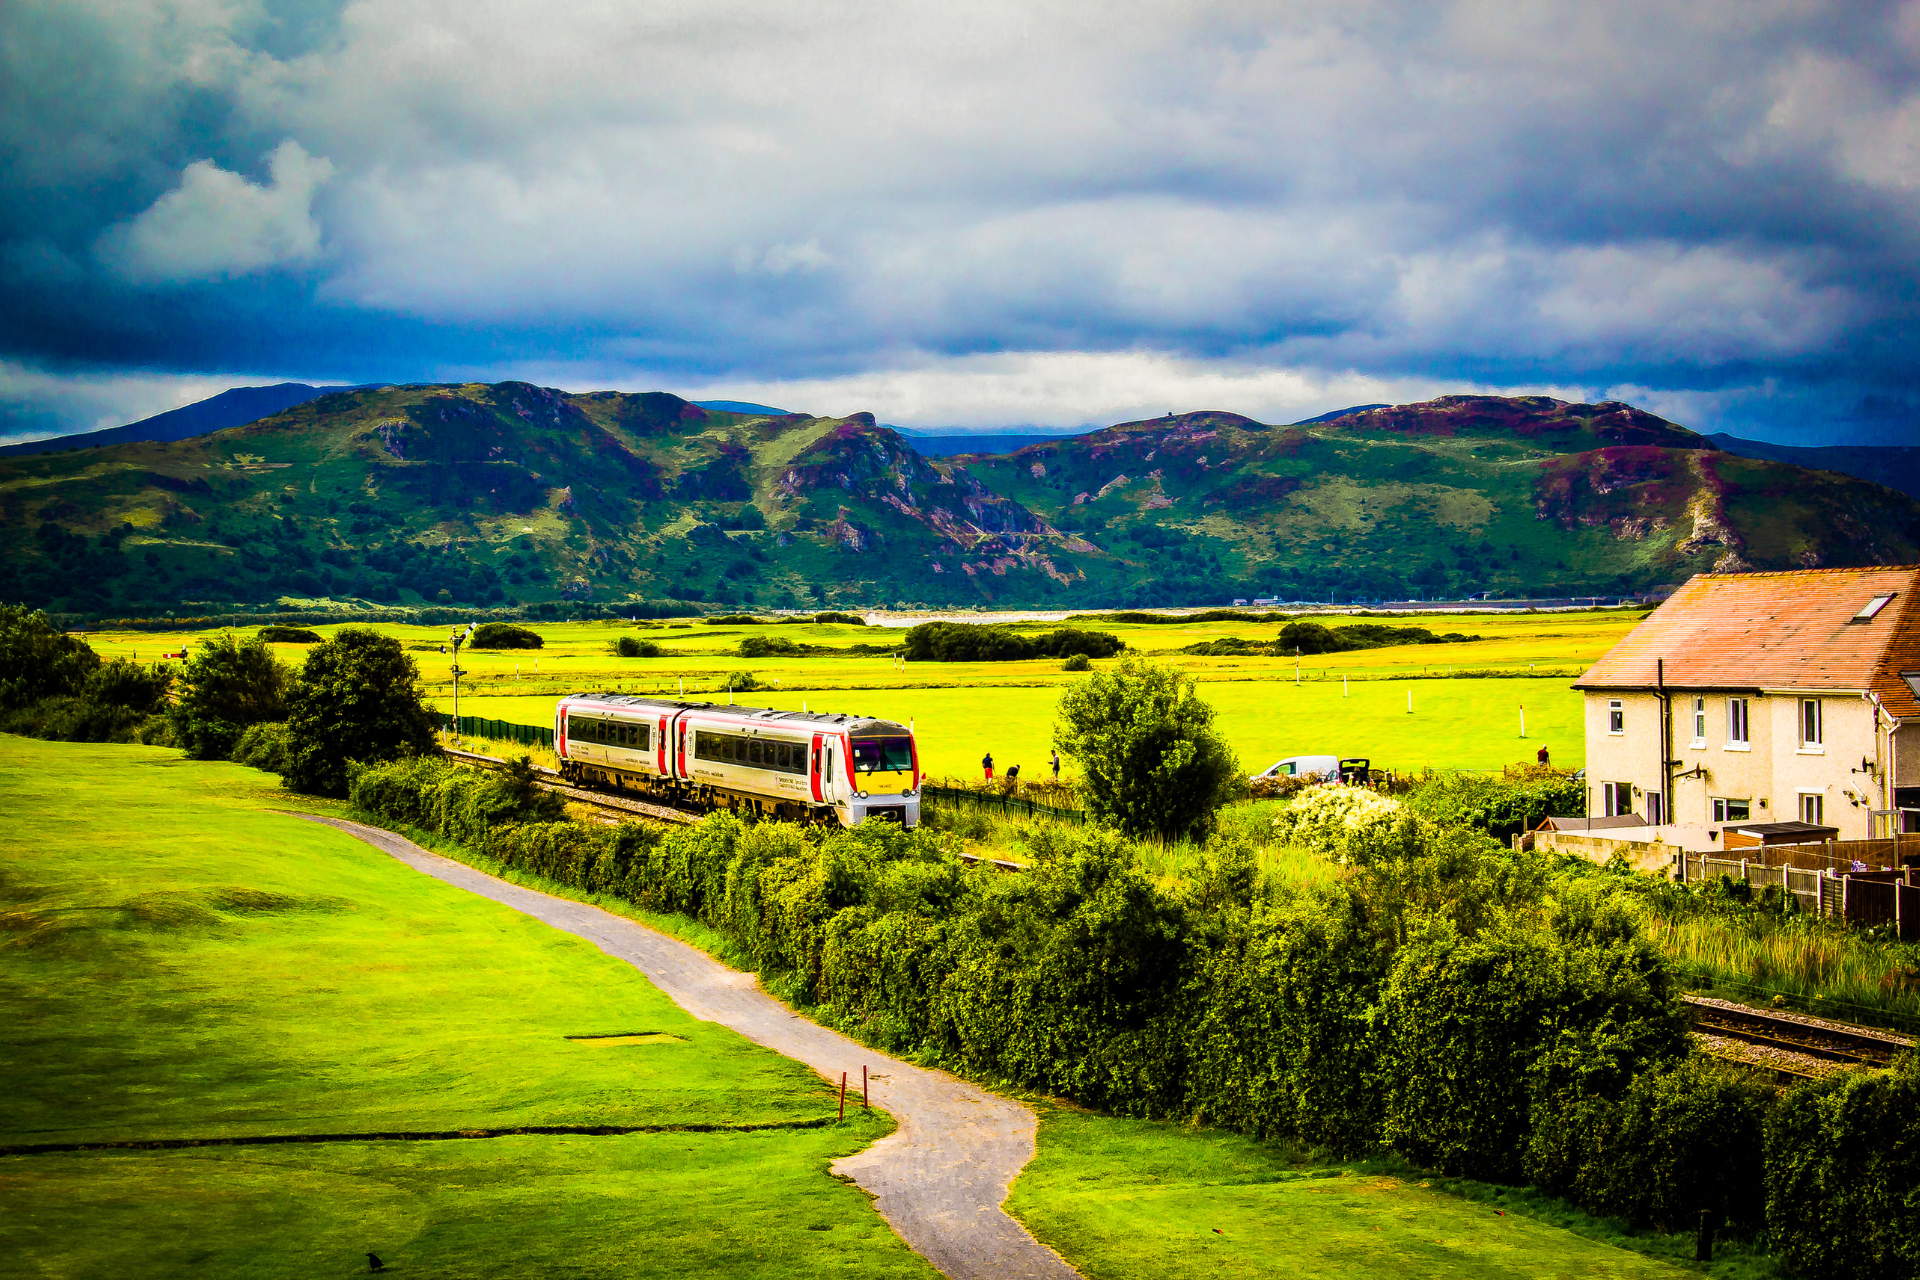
883, 755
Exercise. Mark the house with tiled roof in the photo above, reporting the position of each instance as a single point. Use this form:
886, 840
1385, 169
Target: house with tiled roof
1751, 699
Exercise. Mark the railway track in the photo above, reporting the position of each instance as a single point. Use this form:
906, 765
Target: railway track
623, 807
1815, 1039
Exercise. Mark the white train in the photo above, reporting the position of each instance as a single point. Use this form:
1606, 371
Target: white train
794, 765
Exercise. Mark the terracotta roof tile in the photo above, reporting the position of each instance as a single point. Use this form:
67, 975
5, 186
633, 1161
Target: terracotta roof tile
1792, 630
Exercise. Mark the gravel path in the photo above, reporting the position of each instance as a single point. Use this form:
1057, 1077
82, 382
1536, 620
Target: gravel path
939, 1179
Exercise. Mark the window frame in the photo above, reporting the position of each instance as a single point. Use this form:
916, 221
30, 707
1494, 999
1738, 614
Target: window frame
1616, 717
1699, 722
1740, 716
1723, 809
1813, 808
1812, 715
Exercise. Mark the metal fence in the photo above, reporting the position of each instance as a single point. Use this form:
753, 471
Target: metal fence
525, 735
1006, 805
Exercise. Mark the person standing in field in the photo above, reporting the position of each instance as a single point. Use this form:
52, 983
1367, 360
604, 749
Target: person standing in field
1542, 757
986, 762
1056, 765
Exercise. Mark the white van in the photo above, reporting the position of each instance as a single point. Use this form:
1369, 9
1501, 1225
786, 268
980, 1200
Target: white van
1316, 768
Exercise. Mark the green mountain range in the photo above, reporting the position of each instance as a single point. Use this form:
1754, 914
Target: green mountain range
512, 494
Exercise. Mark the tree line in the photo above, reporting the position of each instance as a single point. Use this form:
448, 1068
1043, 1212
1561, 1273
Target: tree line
355, 699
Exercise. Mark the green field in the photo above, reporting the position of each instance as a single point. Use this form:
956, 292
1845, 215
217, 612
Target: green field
1349, 704
1129, 1198
180, 962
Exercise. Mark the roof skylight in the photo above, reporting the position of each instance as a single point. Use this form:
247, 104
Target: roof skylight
1872, 607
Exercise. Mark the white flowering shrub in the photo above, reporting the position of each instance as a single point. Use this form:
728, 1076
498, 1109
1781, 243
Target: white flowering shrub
1352, 823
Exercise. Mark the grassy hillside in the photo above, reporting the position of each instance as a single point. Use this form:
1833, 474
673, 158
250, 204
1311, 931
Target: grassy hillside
515, 495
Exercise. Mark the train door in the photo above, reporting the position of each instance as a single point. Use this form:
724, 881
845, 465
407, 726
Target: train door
680, 747
813, 768
660, 749
561, 739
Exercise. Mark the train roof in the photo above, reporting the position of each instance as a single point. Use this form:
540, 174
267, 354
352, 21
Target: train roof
745, 714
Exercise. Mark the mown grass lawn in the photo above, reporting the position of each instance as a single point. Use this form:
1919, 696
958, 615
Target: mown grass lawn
1131, 1198
178, 961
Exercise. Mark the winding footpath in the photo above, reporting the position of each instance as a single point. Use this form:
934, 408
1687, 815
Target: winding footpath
939, 1179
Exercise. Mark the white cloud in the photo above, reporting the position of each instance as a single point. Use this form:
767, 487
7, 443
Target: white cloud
216, 224
1082, 389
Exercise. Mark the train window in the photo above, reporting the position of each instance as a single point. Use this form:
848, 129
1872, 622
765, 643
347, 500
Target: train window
883, 755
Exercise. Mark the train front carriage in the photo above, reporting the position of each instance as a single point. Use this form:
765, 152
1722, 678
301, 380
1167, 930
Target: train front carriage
793, 765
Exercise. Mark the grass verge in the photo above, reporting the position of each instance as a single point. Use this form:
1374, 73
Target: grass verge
1126, 1198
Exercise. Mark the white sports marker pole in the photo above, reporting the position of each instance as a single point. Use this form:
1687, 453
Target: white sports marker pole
1409, 702
1343, 686
1523, 719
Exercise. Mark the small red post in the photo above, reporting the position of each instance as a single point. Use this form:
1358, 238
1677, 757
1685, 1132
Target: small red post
864, 1104
843, 1095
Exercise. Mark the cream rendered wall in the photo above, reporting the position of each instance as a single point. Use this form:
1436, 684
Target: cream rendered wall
1770, 772
1848, 797
1632, 756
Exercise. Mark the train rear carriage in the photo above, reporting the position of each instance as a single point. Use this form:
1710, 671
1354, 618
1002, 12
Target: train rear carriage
795, 765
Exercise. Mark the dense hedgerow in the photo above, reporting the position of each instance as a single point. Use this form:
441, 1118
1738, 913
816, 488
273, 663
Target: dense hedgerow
1474, 1008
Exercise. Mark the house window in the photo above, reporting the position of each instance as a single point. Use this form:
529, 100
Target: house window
1617, 798
1616, 717
1813, 809
1656, 809
1699, 722
1809, 722
1737, 722
1732, 810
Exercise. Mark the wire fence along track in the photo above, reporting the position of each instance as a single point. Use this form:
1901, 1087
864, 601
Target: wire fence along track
1809, 1038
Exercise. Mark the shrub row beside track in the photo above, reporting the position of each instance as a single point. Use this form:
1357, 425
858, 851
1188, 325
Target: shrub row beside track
1486, 1012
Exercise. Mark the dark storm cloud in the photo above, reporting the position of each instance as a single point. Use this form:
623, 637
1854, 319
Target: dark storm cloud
1707, 207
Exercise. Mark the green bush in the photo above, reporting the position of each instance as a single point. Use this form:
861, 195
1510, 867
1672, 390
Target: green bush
1842, 1165
225, 685
769, 647
1466, 1025
1077, 662
37, 660
1154, 763
971, 642
1686, 1135
505, 635
263, 746
290, 635
634, 647
358, 700
1502, 806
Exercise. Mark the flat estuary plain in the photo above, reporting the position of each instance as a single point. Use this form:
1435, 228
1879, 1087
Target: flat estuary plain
1468, 698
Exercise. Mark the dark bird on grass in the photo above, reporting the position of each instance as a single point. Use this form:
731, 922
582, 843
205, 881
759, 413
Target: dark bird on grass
374, 1263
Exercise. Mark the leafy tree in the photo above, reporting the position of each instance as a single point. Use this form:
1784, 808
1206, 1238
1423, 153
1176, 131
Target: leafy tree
37, 660
358, 699
634, 647
504, 635
1154, 763
225, 685
122, 683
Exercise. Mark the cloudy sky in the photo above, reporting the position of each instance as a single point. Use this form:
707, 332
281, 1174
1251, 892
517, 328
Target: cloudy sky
971, 214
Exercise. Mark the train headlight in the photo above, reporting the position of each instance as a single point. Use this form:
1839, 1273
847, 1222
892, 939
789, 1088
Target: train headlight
861, 794
907, 794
